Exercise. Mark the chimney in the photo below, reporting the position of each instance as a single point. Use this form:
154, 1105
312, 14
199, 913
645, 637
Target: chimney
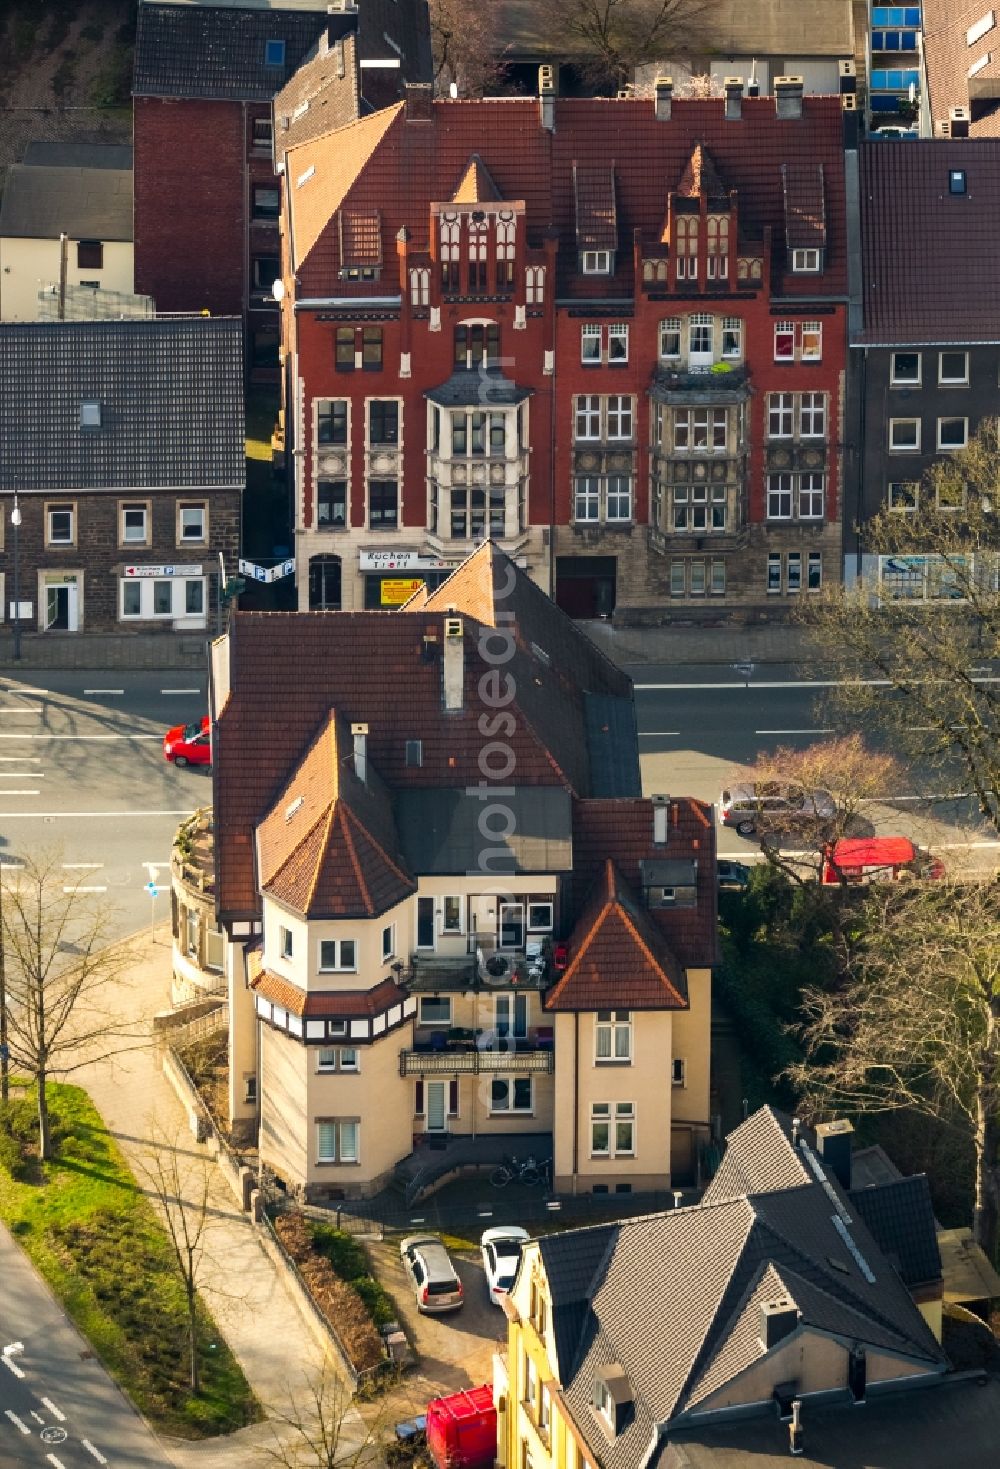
734, 98
341, 21
453, 667
796, 1131
360, 733
663, 92
833, 1144
796, 1442
661, 811
547, 97
958, 117
848, 72
419, 97
788, 96
778, 1319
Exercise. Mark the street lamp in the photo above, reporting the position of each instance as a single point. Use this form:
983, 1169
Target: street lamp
15, 520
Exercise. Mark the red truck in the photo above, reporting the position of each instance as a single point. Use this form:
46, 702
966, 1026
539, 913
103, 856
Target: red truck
462, 1430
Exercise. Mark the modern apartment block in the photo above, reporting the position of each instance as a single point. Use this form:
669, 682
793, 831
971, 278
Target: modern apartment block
610, 334
451, 916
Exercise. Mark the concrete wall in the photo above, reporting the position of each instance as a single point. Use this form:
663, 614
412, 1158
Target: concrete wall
28, 265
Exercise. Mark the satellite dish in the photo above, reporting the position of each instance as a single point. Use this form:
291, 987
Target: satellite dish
278, 290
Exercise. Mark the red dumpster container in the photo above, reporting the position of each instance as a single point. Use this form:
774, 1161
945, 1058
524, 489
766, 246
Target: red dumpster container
462, 1430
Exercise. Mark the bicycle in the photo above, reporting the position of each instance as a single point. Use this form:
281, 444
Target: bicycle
513, 1170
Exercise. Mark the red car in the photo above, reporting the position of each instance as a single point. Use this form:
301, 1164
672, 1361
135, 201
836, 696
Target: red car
189, 744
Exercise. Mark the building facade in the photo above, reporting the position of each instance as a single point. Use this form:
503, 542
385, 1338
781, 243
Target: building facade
418, 967
926, 349
610, 334
122, 446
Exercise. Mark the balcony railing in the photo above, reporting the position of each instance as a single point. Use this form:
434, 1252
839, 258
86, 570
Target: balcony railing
722, 377
674, 542
451, 1063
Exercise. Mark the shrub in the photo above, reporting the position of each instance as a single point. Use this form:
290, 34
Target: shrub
339, 1302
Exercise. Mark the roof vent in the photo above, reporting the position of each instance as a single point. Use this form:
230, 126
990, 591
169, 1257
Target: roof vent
90, 413
788, 96
663, 96
733, 87
295, 805
778, 1319
547, 97
848, 72
959, 119
661, 810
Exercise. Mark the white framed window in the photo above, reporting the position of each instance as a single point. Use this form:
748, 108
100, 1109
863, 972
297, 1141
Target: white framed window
534, 280
717, 585
700, 430
326, 1058
773, 572
453, 915
511, 1094
338, 954
779, 496
732, 337
700, 337
388, 941
337, 1140
420, 286
697, 580
904, 434
596, 262
530, 1384
133, 522
619, 416
784, 341
793, 571
814, 571
338, 1058
905, 370
285, 942
806, 262
678, 1071
60, 523
587, 498
952, 433
215, 949
780, 415
510, 1016
590, 342
613, 1036
152, 598
812, 341
540, 916
192, 523
678, 578
618, 342
953, 369
612, 1130
434, 1010
670, 338
618, 497
588, 416
903, 496
718, 246
949, 495
812, 415
812, 492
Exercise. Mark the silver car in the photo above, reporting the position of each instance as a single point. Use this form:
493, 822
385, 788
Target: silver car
434, 1278
746, 806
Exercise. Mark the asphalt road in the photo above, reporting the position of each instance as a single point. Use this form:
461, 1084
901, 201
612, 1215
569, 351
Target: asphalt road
82, 771
58, 1407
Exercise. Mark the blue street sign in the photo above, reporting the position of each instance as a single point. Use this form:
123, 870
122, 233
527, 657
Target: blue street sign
152, 889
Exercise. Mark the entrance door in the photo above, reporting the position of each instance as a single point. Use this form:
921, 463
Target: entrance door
512, 925
425, 923
437, 1105
61, 608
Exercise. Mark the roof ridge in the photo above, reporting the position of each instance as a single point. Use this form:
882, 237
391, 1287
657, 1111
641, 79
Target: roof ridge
355, 860
321, 816
324, 847
369, 836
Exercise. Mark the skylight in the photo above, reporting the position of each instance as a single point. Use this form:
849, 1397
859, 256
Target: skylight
977, 66
304, 178
981, 28
296, 805
274, 53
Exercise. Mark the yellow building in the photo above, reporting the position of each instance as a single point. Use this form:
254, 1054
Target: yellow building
771, 1298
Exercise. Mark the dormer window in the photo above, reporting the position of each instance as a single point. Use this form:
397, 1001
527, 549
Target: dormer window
807, 262
612, 1398
596, 262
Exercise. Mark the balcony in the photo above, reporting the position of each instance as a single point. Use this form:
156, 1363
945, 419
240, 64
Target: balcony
721, 383
674, 543
525, 1059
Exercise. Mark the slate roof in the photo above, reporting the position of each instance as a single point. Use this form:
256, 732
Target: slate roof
618, 958
328, 847
84, 203
358, 662
440, 832
901, 1217
42, 154
949, 60
171, 398
603, 174
759, 1155
218, 52
622, 829
467, 388
930, 270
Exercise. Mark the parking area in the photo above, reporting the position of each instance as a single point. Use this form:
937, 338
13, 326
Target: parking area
455, 1349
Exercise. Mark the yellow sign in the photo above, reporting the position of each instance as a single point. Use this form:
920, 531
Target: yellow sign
397, 590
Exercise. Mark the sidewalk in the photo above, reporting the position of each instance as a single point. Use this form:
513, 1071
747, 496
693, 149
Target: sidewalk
106, 650
276, 1348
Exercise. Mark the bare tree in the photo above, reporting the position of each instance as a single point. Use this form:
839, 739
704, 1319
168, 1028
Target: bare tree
914, 642
58, 966
917, 1028
323, 1428
468, 51
609, 38
182, 1193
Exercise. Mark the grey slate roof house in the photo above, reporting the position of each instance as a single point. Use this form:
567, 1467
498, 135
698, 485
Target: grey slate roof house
122, 443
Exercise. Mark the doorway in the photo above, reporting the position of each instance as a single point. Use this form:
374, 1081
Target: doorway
62, 608
586, 586
437, 1105
511, 925
325, 582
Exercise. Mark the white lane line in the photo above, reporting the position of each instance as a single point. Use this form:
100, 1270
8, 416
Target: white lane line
792, 683
56, 1463
76, 889
180, 691
82, 864
16, 1421
7, 1355
20, 759
936, 796
37, 1416
73, 815
6, 792
104, 691
91, 1450
80, 739
646, 734
57, 1415
20, 708
22, 774
965, 846
794, 731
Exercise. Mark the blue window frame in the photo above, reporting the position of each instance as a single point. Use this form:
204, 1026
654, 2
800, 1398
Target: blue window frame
895, 81
274, 53
895, 15
894, 40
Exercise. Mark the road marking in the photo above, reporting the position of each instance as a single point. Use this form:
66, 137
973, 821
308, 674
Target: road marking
794, 731
180, 691
936, 796
8, 1354
70, 815
793, 683
645, 734
56, 1463
78, 889
80, 739
37, 1416
20, 759
20, 708
17, 1421
91, 1450
965, 846
6, 792
57, 1415
104, 691
82, 864
22, 775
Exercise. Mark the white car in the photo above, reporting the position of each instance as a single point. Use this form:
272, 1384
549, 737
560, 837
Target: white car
501, 1247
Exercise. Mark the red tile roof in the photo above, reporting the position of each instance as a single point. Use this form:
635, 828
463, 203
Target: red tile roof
475, 186
408, 166
618, 959
930, 266
700, 177
319, 1004
622, 830
805, 206
596, 215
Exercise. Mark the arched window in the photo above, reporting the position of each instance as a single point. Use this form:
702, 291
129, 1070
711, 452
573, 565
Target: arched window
478, 249
686, 233
450, 231
506, 239
718, 247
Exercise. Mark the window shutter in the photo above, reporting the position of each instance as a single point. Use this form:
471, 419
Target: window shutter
418, 1105
453, 1097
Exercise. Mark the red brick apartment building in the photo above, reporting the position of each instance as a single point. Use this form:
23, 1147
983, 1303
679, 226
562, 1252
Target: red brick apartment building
609, 334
